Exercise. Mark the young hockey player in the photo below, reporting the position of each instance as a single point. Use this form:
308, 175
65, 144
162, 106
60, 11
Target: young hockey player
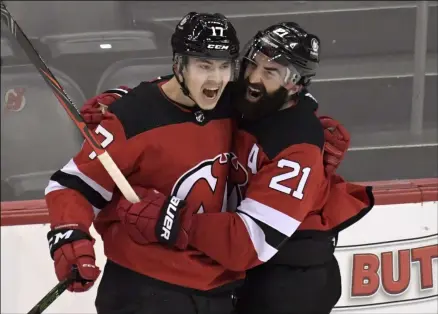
172, 135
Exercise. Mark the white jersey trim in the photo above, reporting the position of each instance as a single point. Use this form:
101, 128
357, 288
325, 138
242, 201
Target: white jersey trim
264, 251
270, 216
72, 169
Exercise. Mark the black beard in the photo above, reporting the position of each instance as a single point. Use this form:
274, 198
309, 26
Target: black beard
267, 104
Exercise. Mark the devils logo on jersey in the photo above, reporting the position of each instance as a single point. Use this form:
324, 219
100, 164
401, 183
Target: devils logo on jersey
15, 100
207, 185
236, 183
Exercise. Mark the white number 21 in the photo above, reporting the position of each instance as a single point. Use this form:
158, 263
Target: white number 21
296, 171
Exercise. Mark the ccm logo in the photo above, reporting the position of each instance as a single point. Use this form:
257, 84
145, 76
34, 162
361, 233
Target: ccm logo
170, 215
218, 47
59, 236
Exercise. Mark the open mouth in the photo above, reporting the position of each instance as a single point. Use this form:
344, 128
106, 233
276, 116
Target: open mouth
253, 94
210, 93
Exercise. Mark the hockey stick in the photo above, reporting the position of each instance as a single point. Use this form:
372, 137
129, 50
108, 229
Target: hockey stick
106, 160
53, 294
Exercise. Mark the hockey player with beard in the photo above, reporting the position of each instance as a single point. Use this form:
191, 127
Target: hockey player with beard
293, 209
154, 134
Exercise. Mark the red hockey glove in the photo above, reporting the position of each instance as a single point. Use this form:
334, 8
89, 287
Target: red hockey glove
337, 142
93, 108
156, 218
70, 245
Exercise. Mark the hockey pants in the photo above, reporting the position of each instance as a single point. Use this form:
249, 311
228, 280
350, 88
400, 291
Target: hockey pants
281, 289
122, 291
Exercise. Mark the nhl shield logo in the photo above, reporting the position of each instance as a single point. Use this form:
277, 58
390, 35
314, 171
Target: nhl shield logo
199, 115
15, 100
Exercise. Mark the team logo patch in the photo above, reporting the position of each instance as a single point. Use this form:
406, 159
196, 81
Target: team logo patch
15, 100
207, 187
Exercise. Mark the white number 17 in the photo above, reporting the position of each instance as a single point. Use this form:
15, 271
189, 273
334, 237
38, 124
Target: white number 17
275, 181
109, 138
217, 28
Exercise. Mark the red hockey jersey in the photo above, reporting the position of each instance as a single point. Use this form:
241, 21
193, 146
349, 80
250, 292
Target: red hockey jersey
282, 155
156, 144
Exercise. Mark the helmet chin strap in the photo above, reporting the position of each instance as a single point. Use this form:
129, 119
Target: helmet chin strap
293, 96
182, 83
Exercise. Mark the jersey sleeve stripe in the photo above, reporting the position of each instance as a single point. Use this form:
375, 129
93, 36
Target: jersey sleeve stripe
263, 249
53, 186
272, 236
60, 180
72, 169
71, 177
269, 216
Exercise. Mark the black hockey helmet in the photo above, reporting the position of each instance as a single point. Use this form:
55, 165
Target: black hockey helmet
205, 35
288, 44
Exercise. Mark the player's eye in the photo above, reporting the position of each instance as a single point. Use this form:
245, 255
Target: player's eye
269, 73
205, 66
225, 66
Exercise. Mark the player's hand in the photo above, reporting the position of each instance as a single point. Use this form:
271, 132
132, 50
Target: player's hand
337, 142
94, 108
156, 219
70, 245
